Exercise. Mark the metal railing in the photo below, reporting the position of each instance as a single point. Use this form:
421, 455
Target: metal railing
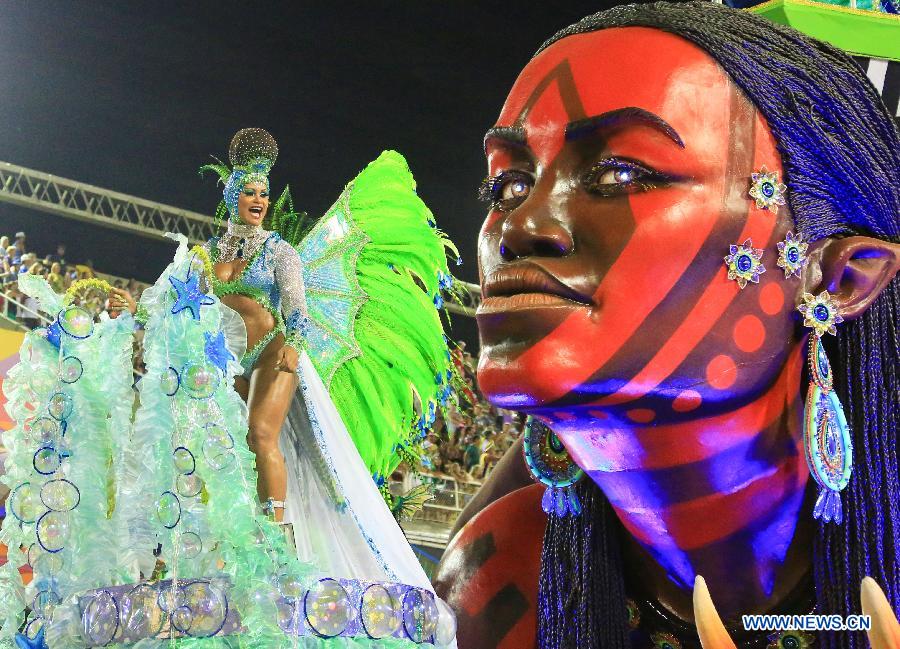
73, 199
15, 324
34, 315
431, 525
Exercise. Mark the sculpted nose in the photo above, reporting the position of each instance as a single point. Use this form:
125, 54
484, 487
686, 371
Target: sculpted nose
533, 232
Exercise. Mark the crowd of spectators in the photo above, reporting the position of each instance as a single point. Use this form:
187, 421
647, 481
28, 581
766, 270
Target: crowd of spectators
60, 272
467, 444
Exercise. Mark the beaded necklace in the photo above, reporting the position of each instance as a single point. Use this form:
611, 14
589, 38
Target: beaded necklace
240, 241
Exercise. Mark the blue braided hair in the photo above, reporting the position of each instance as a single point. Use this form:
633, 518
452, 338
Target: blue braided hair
841, 154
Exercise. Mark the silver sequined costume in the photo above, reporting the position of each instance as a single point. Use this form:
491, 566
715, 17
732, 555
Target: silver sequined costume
273, 277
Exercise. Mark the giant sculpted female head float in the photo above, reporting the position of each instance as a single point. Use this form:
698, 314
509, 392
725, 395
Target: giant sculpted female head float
620, 169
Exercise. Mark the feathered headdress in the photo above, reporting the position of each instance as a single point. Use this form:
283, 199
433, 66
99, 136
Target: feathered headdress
252, 153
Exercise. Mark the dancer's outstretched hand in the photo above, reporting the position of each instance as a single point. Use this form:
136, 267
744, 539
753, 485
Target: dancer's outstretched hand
120, 300
288, 359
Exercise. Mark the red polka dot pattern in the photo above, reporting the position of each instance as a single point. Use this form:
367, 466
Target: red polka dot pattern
687, 401
771, 298
721, 373
749, 333
641, 415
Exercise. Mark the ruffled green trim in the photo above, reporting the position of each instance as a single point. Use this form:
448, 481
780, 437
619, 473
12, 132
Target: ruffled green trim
237, 287
99, 421
296, 341
237, 540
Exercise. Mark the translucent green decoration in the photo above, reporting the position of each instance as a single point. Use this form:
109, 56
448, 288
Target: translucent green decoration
76, 322
328, 608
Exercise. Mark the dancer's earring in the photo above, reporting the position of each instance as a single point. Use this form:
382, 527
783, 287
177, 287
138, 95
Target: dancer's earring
826, 434
551, 465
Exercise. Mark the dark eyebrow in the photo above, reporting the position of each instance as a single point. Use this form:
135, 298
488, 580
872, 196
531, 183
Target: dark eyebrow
621, 117
514, 135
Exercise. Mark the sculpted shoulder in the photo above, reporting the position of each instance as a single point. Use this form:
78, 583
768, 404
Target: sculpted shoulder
489, 573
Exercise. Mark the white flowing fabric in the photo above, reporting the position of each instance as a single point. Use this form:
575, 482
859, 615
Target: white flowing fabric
341, 522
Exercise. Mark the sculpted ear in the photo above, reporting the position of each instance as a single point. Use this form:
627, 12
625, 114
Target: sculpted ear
855, 270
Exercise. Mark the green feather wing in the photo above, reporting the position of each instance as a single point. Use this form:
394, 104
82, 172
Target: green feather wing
374, 268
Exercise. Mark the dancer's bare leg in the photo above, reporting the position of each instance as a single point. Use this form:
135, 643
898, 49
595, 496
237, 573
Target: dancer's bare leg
269, 399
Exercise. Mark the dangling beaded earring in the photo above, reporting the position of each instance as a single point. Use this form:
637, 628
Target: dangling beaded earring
552, 466
826, 435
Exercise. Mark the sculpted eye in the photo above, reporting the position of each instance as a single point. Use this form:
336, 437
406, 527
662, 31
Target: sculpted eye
621, 176
506, 190
615, 176
514, 188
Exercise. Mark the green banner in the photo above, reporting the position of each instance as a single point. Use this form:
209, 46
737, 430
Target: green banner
856, 31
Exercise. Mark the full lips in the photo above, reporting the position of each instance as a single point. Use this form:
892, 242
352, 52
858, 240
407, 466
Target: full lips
519, 301
528, 279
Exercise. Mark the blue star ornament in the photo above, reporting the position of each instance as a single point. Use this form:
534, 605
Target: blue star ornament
53, 333
216, 351
189, 296
24, 642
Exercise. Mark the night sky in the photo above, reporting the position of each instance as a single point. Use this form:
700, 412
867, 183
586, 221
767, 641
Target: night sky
135, 96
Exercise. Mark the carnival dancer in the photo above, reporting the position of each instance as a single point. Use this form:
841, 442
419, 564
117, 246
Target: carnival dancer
346, 350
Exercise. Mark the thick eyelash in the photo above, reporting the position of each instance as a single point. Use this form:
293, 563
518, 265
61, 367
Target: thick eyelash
489, 190
647, 179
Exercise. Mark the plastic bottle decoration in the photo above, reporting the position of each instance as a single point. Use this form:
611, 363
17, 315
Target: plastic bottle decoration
70, 397
189, 485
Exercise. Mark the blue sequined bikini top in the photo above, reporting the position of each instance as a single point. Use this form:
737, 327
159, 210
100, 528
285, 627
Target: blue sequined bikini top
274, 278
258, 276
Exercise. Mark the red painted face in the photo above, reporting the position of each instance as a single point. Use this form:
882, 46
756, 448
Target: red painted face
621, 166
